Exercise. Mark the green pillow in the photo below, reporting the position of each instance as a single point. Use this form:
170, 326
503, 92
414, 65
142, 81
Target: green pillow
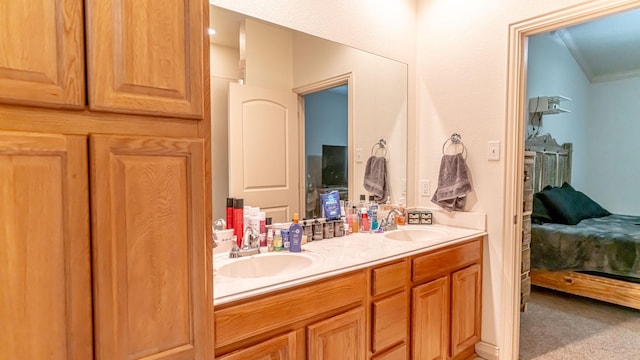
568, 206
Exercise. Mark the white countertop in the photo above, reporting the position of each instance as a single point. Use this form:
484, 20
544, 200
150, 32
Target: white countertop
338, 255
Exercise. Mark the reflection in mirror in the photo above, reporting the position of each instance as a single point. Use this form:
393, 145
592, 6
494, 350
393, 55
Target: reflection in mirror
273, 58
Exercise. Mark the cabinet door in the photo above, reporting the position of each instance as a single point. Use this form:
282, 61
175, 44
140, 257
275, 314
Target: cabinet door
146, 57
430, 320
465, 309
340, 337
149, 246
45, 301
280, 348
42, 53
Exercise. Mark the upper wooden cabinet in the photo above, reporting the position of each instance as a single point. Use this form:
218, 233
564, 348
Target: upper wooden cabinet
146, 57
42, 53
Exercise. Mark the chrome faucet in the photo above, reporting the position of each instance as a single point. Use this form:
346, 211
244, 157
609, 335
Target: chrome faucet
388, 225
250, 244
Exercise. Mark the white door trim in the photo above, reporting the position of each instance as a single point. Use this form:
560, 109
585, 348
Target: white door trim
514, 146
343, 79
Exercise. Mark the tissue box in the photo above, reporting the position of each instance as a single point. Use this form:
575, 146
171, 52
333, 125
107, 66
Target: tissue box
419, 217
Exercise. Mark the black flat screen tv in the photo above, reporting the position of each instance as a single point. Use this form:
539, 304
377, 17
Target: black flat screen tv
334, 165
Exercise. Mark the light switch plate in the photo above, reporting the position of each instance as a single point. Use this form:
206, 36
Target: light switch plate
493, 150
359, 155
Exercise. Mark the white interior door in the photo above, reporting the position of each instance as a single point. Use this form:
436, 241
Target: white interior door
264, 149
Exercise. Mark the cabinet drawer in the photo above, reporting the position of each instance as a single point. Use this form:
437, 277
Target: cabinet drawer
446, 260
388, 277
389, 321
255, 317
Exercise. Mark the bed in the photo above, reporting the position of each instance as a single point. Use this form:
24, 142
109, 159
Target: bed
577, 246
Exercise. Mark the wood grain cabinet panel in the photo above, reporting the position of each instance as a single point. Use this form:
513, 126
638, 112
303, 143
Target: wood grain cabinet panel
339, 337
45, 301
42, 53
430, 320
148, 247
389, 321
146, 57
465, 309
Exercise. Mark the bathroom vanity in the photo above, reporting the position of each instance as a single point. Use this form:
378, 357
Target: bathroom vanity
369, 296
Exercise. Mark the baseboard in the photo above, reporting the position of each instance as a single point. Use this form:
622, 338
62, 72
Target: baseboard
487, 351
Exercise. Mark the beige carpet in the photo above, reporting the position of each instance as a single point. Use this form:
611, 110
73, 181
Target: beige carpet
559, 326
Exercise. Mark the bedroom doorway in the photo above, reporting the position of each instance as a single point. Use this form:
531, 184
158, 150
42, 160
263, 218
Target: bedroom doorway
516, 123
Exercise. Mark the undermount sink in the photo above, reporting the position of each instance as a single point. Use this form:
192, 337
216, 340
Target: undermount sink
421, 233
269, 264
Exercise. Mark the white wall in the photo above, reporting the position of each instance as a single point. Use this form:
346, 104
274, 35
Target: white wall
602, 124
552, 70
614, 126
461, 61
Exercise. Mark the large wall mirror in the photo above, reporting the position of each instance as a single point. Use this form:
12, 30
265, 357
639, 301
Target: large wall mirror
345, 101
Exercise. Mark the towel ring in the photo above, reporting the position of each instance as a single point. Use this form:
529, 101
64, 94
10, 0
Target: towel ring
380, 145
455, 139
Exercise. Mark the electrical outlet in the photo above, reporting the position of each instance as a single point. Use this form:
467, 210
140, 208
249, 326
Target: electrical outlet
425, 187
404, 186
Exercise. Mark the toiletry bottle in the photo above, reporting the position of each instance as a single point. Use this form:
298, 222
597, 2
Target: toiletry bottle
238, 220
270, 240
263, 228
286, 241
355, 220
401, 219
277, 240
295, 237
373, 213
364, 226
296, 218
229, 213
348, 219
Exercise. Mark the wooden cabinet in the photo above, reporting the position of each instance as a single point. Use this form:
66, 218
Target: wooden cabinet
339, 337
147, 209
105, 215
389, 307
421, 307
145, 57
430, 320
446, 302
465, 309
45, 302
328, 315
42, 53
147, 216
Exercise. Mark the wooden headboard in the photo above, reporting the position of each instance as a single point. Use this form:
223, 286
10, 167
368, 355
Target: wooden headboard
552, 161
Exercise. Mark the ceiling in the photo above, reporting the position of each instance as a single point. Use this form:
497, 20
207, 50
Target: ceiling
606, 49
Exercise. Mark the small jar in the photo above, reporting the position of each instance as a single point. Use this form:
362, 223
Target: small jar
328, 229
317, 230
338, 228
